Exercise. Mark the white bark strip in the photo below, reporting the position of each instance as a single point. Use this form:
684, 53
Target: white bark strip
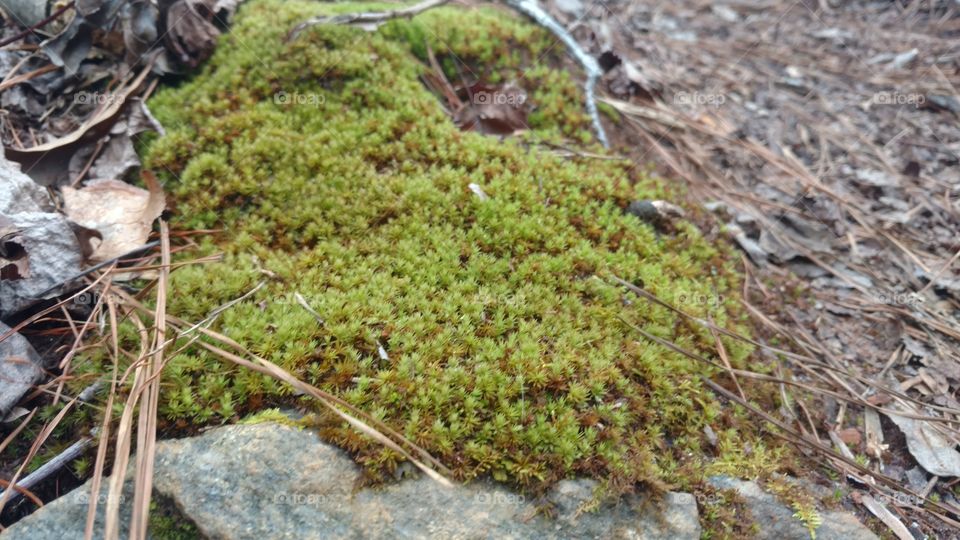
532, 9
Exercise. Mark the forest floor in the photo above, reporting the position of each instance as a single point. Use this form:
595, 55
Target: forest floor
825, 139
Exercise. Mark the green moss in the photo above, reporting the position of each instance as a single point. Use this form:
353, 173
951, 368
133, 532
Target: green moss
506, 350
804, 504
724, 514
275, 416
168, 523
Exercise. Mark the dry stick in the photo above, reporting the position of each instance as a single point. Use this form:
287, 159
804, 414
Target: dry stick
532, 9
268, 368
72, 452
13, 81
34, 448
25, 492
375, 18
105, 427
726, 360
40, 24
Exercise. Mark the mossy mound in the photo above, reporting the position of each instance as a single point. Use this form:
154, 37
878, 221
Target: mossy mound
503, 348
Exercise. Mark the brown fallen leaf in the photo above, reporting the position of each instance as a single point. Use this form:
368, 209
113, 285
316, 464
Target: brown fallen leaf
191, 32
121, 213
493, 110
45, 162
934, 451
850, 436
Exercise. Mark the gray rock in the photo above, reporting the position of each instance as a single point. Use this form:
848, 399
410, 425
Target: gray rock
52, 249
19, 369
274, 481
776, 521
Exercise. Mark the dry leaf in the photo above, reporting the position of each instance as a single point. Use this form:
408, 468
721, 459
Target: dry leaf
493, 110
933, 451
191, 32
121, 213
850, 436
886, 516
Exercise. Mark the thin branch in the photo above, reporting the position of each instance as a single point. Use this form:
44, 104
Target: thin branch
368, 20
532, 9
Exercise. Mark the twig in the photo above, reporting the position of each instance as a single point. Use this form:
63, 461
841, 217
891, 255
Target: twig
74, 451
369, 20
146, 247
147, 421
532, 9
104, 433
40, 24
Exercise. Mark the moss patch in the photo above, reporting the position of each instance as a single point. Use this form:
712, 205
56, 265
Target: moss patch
503, 349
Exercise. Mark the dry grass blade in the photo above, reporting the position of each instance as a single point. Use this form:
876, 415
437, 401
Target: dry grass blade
105, 427
147, 425
269, 368
356, 418
124, 436
145, 391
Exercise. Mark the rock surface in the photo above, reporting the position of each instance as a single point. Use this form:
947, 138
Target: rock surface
19, 369
53, 251
275, 481
776, 519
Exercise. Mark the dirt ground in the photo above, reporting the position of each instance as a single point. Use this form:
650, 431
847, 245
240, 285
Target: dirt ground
825, 140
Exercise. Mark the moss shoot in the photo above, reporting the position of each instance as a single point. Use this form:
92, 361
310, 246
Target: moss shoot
486, 331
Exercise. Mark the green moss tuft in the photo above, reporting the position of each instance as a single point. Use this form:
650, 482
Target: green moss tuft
506, 354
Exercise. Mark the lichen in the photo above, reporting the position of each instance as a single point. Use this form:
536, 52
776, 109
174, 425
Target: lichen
504, 345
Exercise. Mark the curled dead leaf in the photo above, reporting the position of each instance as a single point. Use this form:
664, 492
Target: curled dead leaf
191, 32
493, 110
121, 213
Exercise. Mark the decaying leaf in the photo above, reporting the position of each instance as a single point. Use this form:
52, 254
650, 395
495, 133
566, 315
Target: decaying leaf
191, 32
119, 158
45, 162
493, 110
121, 213
139, 20
932, 450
